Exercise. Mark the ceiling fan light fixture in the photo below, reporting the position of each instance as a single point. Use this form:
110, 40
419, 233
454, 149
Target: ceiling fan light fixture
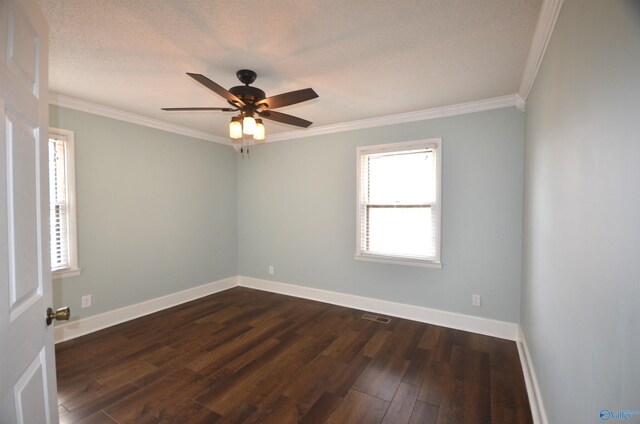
248, 125
249, 101
259, 132
235, 128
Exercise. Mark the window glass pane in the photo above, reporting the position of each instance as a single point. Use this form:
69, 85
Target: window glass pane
398, 194
401, 178
401, 231
58, 216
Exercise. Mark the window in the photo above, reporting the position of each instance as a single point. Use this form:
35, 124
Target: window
62, 205
399, 203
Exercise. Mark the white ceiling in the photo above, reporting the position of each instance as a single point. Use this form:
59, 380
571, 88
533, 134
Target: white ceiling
365, 58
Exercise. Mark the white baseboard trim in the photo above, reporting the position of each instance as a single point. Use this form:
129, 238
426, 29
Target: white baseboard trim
489, 327
78, 328
533, 390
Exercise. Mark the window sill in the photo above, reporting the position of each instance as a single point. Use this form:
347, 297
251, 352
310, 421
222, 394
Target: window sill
398, 261
65, 273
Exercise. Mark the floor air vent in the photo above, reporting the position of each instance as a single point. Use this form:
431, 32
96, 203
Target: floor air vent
377, 318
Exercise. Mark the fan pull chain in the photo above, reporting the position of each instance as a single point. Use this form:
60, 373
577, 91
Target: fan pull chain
244, 151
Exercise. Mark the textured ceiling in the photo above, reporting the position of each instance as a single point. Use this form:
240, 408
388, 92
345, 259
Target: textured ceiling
365, 58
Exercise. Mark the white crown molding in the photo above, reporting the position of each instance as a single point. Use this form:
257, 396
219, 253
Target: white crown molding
83, 326
489, 327
69, 102
538, 412
401, 118
511, 100
544, 28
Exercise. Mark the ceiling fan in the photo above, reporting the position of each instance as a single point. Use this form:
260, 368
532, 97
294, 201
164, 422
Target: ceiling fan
250, 101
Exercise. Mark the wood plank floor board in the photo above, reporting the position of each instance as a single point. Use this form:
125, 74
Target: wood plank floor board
74, 386
318, 375
346, 375
404, 339
437, 375
248, 356
509, 401
476, 342
170, 399
418, 367
177, 360
322, 409
347, 345
470, 366
382, 377
95, 418
424, 413
375, 343
90, 403
253, 354
402, 405
464, 403
443, 345
430, 336
228, 349
240, 413
278, 410
361, 408
504, 356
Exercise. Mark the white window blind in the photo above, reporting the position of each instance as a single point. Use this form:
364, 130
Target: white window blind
62, 202
398, 210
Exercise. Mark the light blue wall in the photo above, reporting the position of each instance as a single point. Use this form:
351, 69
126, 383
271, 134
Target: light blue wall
159, 213
296, 211
581, 273
156, 212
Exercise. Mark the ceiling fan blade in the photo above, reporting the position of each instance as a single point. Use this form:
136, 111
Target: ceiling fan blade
223, 109
284, 118
290, 98
219, 90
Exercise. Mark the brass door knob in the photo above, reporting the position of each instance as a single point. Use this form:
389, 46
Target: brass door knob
62, 314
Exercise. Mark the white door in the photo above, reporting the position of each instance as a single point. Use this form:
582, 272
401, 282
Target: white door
27, 363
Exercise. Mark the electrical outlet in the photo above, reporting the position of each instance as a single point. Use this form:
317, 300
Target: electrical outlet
476, 300
86, 301
270, 269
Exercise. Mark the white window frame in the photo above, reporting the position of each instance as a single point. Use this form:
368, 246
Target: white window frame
68, 136
361, 255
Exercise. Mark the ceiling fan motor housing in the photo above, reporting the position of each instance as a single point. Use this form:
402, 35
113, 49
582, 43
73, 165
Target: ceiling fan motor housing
249, 95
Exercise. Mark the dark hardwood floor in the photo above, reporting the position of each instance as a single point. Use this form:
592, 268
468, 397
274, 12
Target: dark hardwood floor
247, 356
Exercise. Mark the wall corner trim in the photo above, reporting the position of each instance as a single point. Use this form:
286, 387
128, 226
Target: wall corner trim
520, 103
544, 28
489, 327
81, 105
93, 323
531, 381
